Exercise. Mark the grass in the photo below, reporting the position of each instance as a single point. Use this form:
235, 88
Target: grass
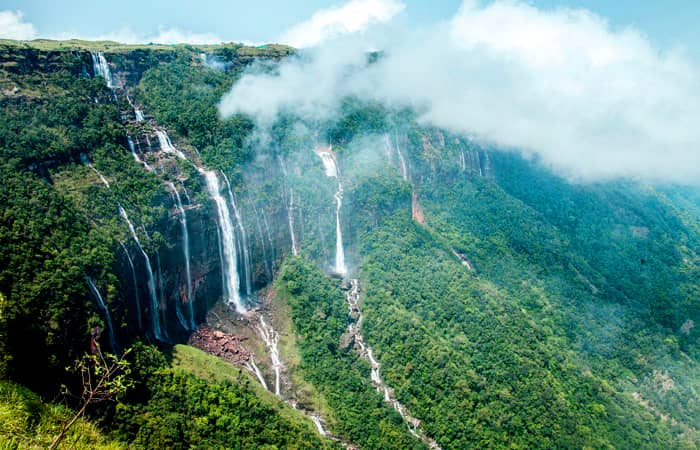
27, 422
308, 395
213, 369
117, 47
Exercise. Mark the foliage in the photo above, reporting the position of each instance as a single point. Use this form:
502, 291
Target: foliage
319, 314
185, 405
27, 422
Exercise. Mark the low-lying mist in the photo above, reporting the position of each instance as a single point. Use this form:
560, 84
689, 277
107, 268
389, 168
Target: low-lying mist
593, 103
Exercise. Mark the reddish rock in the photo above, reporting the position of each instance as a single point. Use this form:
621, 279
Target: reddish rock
228, 347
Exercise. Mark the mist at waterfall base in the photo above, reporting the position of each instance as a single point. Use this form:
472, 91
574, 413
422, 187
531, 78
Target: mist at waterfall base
591, 102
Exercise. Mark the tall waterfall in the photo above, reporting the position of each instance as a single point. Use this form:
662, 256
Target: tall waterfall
331, 169
186, 253
247, 266
155, 314
228, 243
136, 286
167, 146
100, 67
108, 318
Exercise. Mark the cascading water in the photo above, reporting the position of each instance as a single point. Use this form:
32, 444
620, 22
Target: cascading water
319, 426
353, 299
250, 365
228, 243
155, 311
132, 148
270, 337
108, 318
186, 254
290, 219
331, 169
136, 287
100, 67
102, 178
402, 161
261, 236
247, 266
139, 115
167, 146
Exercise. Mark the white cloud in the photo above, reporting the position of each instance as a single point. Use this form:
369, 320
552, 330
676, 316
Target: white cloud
592, 102
177, 36
12, 26
351, 17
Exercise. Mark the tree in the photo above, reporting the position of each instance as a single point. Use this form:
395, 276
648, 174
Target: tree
104, 376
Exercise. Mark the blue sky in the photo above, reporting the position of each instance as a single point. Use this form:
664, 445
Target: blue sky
667, 23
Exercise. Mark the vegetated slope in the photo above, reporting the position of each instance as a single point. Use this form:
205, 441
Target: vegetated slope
619, 287
27, 422
319, 313
49, 118
198, 400
464, 355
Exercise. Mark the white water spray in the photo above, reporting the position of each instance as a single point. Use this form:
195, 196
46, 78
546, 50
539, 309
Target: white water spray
228, 243
155, 317
139, 115
186, 253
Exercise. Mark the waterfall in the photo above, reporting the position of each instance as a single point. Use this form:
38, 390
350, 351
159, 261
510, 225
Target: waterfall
247, 271
100, 67
132, 148
265, 253
250, 365
290, 219
108, 319
290, 208
270, 337
331, 169
402, 161
139, 115
187, 196
136, 287
228, 243
155, 317
319, 426
186, 254
166, 146
102, 178
163, 300
339, 253
273, 254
